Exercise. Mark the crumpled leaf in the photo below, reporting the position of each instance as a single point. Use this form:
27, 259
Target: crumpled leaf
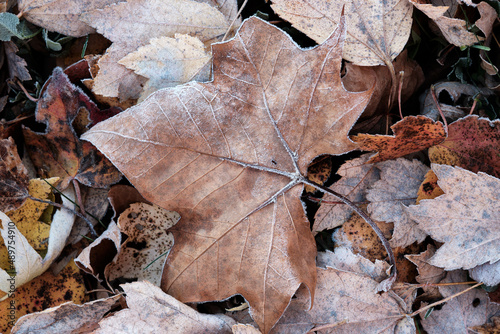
150, 19
356, 176
411, 134
65, 317
44, 291
27, 263
228, 155
398, 186
377, 31
168, 62
465, 218
63, 16
13, 177
146, 227
472, 144
150, 310
348, 301
59, 151
461, 313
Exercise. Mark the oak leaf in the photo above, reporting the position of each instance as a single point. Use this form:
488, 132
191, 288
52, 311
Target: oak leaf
229, 156
465, 218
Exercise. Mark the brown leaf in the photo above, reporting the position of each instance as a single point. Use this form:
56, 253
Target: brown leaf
14, 178
411, 134
427, 272
121, 197
17, 65
488, 328
59, 151
465, 218
63, 16
230, 156
377, 31
472, 144
462, 313
429, 188
245, 329
150, 310
65, 318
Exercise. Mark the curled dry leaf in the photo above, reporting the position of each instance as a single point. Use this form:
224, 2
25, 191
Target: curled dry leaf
465, 218
229, 156
27, 263
145, 225
13, 177
65, 318
356, 177
411, 134
377, 31
398, 186
150, 310
461, 313
472, 144
63, 16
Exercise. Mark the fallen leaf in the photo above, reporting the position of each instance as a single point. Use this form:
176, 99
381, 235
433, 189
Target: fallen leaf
66, 317
427, 272
17, 65
27, 263
63, 16
168, 62
347, 303
356, 176
43, 292
58, 151
463, 312
488, 328
150, 310
228, 157
488, 273
429, 188
146, 227
13, 177
464, 218
318, 171
377, 31
244, 329
122, 196
411, 134
472, 144
398, 186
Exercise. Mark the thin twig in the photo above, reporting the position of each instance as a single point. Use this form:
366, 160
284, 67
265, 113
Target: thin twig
89, 223
318, 328
444, 300
363, 215
234, 20
473, 106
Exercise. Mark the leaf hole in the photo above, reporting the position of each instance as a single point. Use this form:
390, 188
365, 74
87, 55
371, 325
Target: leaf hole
476, 302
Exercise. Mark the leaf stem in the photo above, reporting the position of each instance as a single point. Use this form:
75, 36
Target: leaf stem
363, 215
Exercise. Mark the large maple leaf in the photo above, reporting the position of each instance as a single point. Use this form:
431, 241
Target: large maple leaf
230, 155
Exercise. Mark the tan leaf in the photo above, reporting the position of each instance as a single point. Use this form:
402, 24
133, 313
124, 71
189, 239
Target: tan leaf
150, 310
398, 186
377, 31
411, 134
63, 16
356, 177
465, 218
13, 177
230, 155
454, 30
427, 272
488, 328
347, 303
429, 188
65, 318
147, 226
461, 313
168, 62
245, 329
27, 263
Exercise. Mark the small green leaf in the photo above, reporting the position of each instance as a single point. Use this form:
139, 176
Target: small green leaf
8, 26
50, 44
481, 47
428, 313
24, 32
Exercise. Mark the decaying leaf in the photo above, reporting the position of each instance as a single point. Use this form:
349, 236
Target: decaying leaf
356, 176
17, 65
27, 263
63, 16
59, 151
488, 328
13, 177
398, 186
229, 156
429, 188
465, 218
427, 272
472, 144
65, 317
150, 310
461, 313
411, 134
145, 225
377, 31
